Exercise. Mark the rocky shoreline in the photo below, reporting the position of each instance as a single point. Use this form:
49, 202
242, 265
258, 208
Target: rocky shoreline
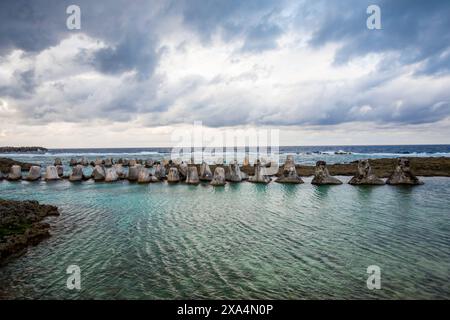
21, 226
22, 149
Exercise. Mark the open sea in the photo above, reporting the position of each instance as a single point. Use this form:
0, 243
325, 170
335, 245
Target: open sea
249, 241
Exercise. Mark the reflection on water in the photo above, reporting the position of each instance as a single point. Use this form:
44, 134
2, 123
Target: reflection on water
239, 241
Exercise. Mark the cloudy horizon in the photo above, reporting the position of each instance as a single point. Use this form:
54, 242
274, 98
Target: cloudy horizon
136, 71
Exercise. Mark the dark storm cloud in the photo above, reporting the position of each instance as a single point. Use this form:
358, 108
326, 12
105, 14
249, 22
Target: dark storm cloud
417, 30
131, 33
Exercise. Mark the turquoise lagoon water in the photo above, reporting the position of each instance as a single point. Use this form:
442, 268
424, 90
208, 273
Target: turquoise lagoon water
244, 240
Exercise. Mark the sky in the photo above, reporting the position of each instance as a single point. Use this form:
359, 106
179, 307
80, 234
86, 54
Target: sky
138, 70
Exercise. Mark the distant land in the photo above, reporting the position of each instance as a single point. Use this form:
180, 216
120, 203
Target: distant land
22, 149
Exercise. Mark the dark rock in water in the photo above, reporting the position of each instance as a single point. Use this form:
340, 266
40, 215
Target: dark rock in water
365, 175
160, 171
219, 177
205, 172
403, 175
173, 175
289, 174
57, 162
6, 164
20, 225
34, 173
77, 174
15, 173
51, 173
99, 173
322, 176
23, 150
234, 172
260, 174
192, 175
1, 176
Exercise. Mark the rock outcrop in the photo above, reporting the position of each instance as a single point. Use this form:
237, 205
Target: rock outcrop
20, 225
192, 175
322, 176
219, 177
289, 174
34, 173
365, 175
403, 175
15, 173
173, 175
98, 174
77, 173
111, 175
51, 173
234, 172
205, 172
260, 174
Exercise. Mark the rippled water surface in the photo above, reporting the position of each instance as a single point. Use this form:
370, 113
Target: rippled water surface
241, 241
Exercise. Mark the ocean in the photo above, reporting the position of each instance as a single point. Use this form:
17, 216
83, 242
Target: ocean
249, 241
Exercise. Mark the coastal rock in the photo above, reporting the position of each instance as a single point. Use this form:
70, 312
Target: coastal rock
51, 173
57, 162
144, 176
34, 173
173, 175
205, 172
219, 177
20, 225
133, 172
111, 175
365, 175
403, 175
192, 175
160, 171
289, 174
98, 173
60, 170
234, 174
77, 173
322, 176
260, 174
15, 173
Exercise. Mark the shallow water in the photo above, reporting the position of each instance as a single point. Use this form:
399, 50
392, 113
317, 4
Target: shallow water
240, 241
